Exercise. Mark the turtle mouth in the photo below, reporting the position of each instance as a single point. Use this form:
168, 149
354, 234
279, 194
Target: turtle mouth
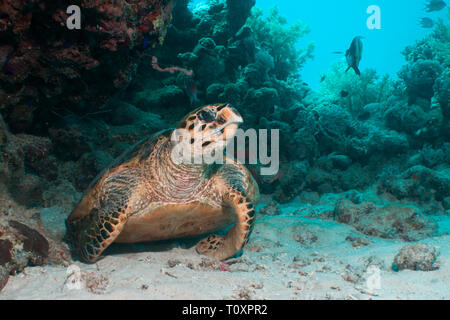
230, 126
227, 121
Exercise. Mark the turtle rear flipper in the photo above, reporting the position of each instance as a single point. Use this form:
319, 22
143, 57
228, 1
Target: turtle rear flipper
237, 237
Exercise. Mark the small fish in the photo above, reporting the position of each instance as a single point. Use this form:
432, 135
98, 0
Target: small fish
322, 79
145, 42
435, 5
344, 93
354, 54
426, 23
191, 89
7, 67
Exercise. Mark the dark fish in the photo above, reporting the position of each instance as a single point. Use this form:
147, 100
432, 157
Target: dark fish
435, 5
146, 42
344, 93
7, 67
322, 79
354, 55
426, 23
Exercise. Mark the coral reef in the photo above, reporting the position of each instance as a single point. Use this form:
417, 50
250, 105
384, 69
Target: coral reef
46, 66
370, 152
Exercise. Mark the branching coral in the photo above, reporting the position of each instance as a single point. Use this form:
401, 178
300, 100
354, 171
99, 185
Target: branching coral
354, 92
172, 69
280, 40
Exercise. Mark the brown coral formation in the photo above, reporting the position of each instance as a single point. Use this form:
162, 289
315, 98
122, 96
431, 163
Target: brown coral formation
24, 241
44, 65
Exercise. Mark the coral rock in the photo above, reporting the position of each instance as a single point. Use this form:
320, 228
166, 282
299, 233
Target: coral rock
418, 257
62, 66
390, 221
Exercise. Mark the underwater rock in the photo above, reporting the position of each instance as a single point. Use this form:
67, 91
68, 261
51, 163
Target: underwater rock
124, 113
261, 101
33, 242
4, 275
11, 156
242, 51
405, 118
272, 209
34, 148
387, 142
340, 161
63, 196
89, 166
417, 257
23, 241
160, 99
432, 157
419, 183
333, 122
420, 78
442, 92
355, 177
237, 13
208, 56
28, 190
69, 143
127, 114
291, 180
5, 251
305, 145
213, 91
446, 203
321, 180
310, 197
392, 221
358, 241
231, 93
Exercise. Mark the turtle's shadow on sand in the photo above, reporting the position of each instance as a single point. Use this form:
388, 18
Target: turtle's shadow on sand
157, 246
152, 247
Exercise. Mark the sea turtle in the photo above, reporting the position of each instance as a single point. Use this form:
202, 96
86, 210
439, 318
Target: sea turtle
147, 194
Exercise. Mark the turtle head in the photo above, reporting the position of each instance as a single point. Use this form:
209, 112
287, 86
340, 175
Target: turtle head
207, 128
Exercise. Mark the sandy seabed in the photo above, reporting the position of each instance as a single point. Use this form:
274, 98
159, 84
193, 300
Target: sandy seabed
288, 257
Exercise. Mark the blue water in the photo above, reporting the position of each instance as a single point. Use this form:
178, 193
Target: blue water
334, 23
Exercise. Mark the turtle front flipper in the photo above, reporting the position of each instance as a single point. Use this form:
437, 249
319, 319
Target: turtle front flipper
95, 232
92, 233
237, 237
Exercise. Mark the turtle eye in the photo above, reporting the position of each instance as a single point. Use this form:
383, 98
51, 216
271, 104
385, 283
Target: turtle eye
206, 115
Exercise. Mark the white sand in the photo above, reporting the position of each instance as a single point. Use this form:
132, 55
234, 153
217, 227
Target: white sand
173, 270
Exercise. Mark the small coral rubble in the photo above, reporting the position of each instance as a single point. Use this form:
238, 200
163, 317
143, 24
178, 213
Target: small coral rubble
418, 257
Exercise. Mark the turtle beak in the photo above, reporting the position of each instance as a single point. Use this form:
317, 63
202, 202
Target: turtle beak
231, 115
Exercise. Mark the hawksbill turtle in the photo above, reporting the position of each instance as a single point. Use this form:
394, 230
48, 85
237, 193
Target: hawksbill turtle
148, 195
